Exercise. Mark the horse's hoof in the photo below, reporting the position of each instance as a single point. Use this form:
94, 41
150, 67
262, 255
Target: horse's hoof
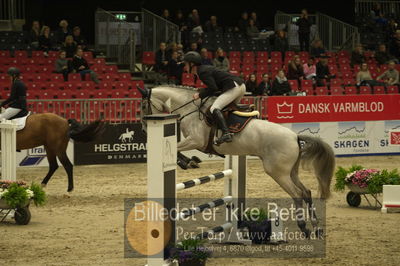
193, 164
182, 165
196, 159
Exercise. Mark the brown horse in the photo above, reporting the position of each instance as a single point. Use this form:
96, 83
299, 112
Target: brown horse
54, 133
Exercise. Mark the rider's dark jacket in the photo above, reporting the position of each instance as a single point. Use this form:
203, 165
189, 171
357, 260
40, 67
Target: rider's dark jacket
216, 80
17, 97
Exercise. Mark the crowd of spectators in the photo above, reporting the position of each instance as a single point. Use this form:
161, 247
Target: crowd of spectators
69, 42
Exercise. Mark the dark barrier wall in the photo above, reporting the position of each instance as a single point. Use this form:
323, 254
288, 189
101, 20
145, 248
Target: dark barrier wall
122, 143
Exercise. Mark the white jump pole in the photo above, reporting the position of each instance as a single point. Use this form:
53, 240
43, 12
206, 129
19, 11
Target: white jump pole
8, 149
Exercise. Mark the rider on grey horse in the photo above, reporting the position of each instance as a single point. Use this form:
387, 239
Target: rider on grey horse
231, 87
17, 100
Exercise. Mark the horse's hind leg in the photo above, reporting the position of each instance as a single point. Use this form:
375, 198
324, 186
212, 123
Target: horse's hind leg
68, 168
306, 194
53, 166
282, 176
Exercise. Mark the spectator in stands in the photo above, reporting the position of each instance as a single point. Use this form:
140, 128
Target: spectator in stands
165, 14
62, 65
179, 50
382, 56
295, 69
253, 16
44, 40
281, 43
194, 47
243, 23
310, 70
205, 60
252, 30
363, 76
391, 29
251, 83
63, 31
161, 59
357, 56
194, 21
304, 25
173, 47
69, 46
78, 38
376, 11
212, 25
390, 76
220, 61
317, 48
264, 88
175, 67
80, 65
181, 22
280, 86
323, 73
394, 45
34, 34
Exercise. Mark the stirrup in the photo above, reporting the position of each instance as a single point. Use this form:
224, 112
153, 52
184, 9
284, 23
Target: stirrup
227, 137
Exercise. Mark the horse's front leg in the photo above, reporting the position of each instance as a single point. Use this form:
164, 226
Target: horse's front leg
183, 161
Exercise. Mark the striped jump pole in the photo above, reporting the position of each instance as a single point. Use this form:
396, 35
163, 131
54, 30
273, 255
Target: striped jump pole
8, 149
203, 180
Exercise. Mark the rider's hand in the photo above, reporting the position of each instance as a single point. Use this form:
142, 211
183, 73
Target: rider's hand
196, 96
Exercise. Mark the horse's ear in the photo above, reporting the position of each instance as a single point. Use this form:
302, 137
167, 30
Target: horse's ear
145, 92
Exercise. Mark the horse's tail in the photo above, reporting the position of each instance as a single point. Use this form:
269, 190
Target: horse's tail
85, 133
320, 155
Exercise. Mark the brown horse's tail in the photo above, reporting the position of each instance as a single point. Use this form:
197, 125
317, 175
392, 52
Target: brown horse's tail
85, 133
321, 156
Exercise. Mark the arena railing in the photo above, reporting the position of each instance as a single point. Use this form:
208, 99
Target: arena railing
335, 34
117, 37
114, 111
11, 12
156, 29
364, 7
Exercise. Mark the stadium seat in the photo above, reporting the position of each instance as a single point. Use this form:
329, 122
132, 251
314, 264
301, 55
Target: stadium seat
336, 82
262, 54
106, 86
99, 61
109, 77
124, 77
74, 77
73, 85
308, 90
350, 90
56, 77
289, 55
349, 81
321, 91
149, 58
304, 55
20, 54
248, 54
392, 89
365, 90
4, 53
305, 83
88, 85
65, 94
294, 84
347, 75
379, 90
336, 91
276, 54
235, 61
188, 79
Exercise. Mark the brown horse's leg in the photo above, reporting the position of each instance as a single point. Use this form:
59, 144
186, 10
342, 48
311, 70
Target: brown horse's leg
68, 168
53, 165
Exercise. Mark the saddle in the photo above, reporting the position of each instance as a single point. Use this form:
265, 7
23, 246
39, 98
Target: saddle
237, 116
20, 119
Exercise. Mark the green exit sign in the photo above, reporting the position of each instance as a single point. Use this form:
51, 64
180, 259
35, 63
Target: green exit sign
121, 16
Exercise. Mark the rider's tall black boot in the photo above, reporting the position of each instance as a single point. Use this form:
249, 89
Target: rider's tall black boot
221, 123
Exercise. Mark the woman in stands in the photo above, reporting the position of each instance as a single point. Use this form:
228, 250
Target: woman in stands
280, 86
220, 61
230, 88
44, 40
17, 100
69, 46
295, 69
251, 84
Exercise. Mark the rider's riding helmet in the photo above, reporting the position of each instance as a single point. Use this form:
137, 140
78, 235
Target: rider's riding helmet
192, 57
14, 72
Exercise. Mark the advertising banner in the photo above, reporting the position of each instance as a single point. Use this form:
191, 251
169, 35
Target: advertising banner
37, 156
297, 109
120, 143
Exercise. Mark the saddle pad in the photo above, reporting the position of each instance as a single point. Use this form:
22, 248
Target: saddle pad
237, 123
21, 121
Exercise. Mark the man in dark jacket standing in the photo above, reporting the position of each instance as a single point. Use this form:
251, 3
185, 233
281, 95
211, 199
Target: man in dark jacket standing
304, 25
17, 100
229, 87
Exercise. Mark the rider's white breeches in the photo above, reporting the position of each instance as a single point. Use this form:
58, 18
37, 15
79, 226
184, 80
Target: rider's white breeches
232, 95
9, 112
